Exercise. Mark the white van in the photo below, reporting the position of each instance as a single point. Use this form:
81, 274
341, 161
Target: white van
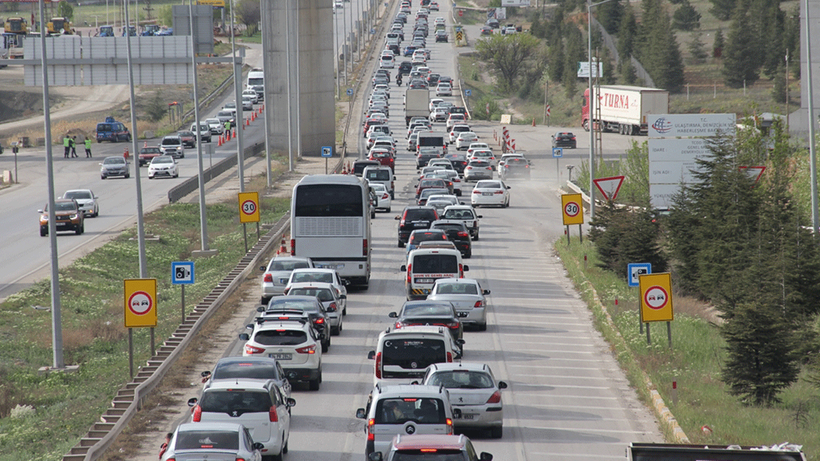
402, 356
256, 81
382, 175
425, 266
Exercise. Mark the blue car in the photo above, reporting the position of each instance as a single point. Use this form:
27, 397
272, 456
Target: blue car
408, 51
168, 31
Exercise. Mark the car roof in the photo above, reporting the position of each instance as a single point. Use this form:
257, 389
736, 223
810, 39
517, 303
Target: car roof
409, 390
440, 441
322, 285
239, 383
208, 427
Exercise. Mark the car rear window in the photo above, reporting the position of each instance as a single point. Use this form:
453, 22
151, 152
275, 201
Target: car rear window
461, 379
323, 294
323, 277
401, 410
288, 303
280, 337
420, 215
488, 185
235, 401
247, 370
458, 214
378, 175
287, 265
417, 237
412, 354
435, 264
212, 439
456, 288
429, 455
427, 309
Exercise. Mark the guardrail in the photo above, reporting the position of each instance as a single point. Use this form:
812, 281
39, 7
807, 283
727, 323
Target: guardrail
191, 184
129, 398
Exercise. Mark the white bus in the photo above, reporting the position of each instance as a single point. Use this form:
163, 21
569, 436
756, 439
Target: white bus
330, 223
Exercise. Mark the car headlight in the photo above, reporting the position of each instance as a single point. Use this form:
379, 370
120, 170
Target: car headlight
74, 216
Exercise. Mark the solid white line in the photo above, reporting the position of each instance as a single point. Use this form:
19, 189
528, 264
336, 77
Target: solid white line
579, 455
606, 431
574, 407
587, 378
564, 397
516, 365
562, 386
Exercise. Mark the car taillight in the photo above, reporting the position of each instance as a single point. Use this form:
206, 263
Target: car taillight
449, 426
364, 247
460, 270
293, 247
490, 168
385, 196
319, 321
475, 191
197, 414
452, 325
449, 357
463, 234
331, 307
285, 291
399, 325
499, 192
495, 398
253, 349
468, 167
479, 304
378, 366
268, 278
409, 271
272, 415
370, 423
306, 350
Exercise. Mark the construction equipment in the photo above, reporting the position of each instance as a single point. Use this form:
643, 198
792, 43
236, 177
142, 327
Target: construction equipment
59, 25
16, 26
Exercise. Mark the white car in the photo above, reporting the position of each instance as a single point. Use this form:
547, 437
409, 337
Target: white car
467, 296
277, 273
438, 114
382, 196
86, 200
164, 165
247, 103
455, 119
215, 125
251, 93
322, 275
455, 131
387, 61
434, 102
464, 140
483, 154
444, 89
329, 298
490, 192
476, 146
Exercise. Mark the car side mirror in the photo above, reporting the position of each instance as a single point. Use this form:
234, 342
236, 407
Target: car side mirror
508, 187
466, 268
291, 402
371, 355
205, 374
479, 216
460, 342
360, 413
485, 292
484, 456
262, 268
249, 326
192, 401
502, 385
393, 315
258, 446
260, 309
397, 218
403, 268
244, 336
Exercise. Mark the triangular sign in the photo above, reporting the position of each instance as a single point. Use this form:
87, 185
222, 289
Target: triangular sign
609, 187
754, 172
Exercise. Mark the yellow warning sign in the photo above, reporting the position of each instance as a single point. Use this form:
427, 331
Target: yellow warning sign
248, 207
656, 297
140, 302
572, 208
218, 3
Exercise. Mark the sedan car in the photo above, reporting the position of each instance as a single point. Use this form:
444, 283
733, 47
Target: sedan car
214, 440
328, 296
383, 201
456, 232
68, 217
435, 313
321, 274
441, 36
277, 273
188, 138
261, 368
464, 140
114, 166
147, 154
86, 199
444, 89
564, 139
466, 295
478, 169
485, 30
514, 166
490, 192
465, 214
424, 235
474, 390
164, 165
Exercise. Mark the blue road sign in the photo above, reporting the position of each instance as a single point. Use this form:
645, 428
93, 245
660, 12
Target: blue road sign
350, 91
468, 92
557, 152
635, 270
182, 273
327, 151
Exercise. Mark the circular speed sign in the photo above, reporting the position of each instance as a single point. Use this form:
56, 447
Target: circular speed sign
656, 297
140, 303
248, 207
572, 209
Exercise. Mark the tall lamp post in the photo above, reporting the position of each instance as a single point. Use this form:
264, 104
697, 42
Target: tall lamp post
591, 102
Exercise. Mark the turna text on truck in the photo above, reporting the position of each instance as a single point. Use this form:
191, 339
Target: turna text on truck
624, 109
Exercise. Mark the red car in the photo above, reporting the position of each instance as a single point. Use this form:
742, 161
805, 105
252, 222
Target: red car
383, 156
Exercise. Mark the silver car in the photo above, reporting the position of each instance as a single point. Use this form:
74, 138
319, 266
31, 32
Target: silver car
468, 298
478, 169
277, 274
223, 440
86, 199
328, 296
474, 391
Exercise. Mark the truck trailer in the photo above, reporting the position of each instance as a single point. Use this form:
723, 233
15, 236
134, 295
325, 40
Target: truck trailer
416, 104
624, 109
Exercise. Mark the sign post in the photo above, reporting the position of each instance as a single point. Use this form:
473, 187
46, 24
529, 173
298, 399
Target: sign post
140, 310
634, 271
248, 212
557, 154
182, 273
656, 301
327, 152
572, 206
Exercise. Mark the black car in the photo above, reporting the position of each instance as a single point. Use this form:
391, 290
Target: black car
405, 67
515, 167
299, 305
492, 23
564, 139
257, 368
380, 79
424, 235
457, 233
459, 161
486, 30
412, 218
432, 79
436, 313
425, 156
457, 109
418, 84
441, 36
446, 79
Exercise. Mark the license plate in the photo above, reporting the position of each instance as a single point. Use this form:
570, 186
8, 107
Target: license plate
487, 194
425, 280
463, 314
281, 356
422, 224
467, 416
330, 266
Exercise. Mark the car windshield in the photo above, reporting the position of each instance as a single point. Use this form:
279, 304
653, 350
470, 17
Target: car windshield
78, 194
461, 379
114, 161
235, 401
456, 289
162, 159
63, 206
208, 440
401, 410
280, 337
170, 141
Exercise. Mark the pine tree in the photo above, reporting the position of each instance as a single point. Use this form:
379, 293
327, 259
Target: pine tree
696, 49
626, 34
720, 43
609, 15
686, 17
774, 49
741, 61
556, 62
722, 9
779, 88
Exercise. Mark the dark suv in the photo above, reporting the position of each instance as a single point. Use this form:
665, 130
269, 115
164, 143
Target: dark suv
405, 67
412, 218
457, 233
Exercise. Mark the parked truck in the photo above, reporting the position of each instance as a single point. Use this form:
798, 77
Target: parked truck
416, 104
624, 109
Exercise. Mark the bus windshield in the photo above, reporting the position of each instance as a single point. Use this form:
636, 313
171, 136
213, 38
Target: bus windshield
328, 200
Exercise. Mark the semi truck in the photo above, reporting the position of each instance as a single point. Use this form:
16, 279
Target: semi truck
416, 104
624, 109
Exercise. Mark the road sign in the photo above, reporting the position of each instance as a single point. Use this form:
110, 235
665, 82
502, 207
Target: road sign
549, 110
458, 35
609, 187
572, 206
634, 271
460, 13
487, 108
248, 207
656, 297
140, 302
754, 172
182, 273
468, 92
557, 152
350, 92
327, 151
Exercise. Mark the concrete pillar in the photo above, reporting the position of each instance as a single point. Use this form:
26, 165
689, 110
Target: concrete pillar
316, 74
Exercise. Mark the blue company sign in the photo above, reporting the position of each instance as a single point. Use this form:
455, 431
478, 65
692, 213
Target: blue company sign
468, 92
327, 151
557, 152
182, 272
635, 270
350, 91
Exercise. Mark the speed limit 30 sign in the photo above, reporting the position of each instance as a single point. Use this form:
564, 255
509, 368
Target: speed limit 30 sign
656, 297
572, 209
248, 207
140, 297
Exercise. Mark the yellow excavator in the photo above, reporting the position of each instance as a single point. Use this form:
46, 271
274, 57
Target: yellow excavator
16, 26
59, 25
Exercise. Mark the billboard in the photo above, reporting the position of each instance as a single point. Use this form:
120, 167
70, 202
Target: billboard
583, 70
694, 125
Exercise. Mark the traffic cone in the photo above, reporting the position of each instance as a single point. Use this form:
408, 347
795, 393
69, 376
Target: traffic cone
219, 143
533, 121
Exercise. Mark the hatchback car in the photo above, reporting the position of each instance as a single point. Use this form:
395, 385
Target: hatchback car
328, 296
383, 199
173, 146
86, 200
322, 275
423, 235
441, 35
474, 391
436, 313
412, 218
297, 307
490, 192
277, 273
114, 166
68, 217
456, 130
454, 119
164, 165
478, 169
444, 89
432, 448
467, 296
456, 232
465, 214
464, 140
483, 154
564, 139
516, 166
212, 441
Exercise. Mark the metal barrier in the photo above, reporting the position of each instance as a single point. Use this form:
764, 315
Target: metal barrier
191, 184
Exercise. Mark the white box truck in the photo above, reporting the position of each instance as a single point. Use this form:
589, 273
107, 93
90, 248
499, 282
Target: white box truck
624, 109
416, 104
256, 82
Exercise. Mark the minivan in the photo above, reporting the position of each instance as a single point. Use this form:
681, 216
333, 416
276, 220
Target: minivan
382, 175
401, 356
424, 266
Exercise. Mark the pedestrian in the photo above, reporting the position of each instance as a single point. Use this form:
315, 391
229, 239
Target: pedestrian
87, 147
66, 146
73, 144
164, 447
227, 126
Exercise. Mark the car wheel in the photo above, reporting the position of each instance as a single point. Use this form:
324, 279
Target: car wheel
176, 175
264, 300
285, 447
476, 236
102, 177
401, 244
335, 331
150, 177
482, 326
468, 254
326, 345
127, 175
79, 230
316, 383
43, 231
344, 311
497, 432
